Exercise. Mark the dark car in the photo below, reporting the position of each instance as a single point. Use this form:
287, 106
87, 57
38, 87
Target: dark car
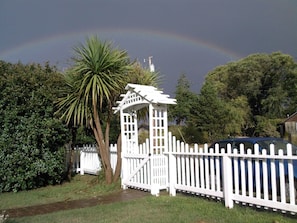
264, 143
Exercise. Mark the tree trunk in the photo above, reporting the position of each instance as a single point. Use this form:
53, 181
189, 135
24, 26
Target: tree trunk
117, 172
70, 149
109, 170
108, 175
103, 148
69, 152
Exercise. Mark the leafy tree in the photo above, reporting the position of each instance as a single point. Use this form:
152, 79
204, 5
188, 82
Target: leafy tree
185, 98
210, 114
32, 140
248, 96
239, 116
138, 75
266, 127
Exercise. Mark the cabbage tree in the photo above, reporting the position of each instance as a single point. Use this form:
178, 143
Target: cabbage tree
93, 83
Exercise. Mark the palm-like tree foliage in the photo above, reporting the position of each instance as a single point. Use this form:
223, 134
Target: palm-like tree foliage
93, 83
98, 73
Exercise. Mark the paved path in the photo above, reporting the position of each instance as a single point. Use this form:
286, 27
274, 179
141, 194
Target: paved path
124, 195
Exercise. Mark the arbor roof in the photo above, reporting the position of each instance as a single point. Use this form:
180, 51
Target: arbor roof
139, 96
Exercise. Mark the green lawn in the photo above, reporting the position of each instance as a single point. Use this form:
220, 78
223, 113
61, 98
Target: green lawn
163, 209
80, 187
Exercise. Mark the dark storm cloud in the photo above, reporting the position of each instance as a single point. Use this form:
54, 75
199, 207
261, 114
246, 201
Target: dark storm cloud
239, 26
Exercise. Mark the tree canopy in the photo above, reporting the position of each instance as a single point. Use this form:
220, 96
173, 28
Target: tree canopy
248, 97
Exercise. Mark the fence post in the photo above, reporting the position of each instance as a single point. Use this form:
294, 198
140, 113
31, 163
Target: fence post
82, 161
291, 175
227, 177
124, 162
172, 164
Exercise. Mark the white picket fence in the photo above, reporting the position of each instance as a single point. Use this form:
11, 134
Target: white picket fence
231, 176
234, 176
85, 159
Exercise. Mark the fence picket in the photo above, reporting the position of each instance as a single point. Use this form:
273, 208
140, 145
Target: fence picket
197, 175
265, 175
257, 172
291, 176
273, 174
282, 178
218, 168
250, 174
242, 169
212, 170
236, 173
202, 182
191, 169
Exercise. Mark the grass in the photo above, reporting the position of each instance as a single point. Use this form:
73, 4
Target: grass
81, 186
163, 209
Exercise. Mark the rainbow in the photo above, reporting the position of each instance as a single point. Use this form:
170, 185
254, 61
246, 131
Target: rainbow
66, 41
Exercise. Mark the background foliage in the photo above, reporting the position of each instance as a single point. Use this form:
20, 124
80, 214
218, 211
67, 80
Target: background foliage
249, 97
31, 138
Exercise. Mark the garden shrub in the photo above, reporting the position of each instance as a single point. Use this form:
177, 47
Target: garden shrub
32, 140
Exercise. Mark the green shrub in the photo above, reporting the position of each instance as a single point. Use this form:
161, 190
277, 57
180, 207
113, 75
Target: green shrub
32, 140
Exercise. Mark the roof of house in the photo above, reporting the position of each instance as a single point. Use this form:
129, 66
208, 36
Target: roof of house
292, 118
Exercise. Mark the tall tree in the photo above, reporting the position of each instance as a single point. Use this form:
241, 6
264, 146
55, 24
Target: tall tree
185, 98
210, 114
94, 84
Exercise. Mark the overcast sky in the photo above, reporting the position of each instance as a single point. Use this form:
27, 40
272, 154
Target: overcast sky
183, 36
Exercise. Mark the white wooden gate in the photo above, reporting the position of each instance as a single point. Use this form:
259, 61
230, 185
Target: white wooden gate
144, 171
144, 166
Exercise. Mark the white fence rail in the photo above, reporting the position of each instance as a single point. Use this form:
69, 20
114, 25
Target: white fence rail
85, 159
235, 176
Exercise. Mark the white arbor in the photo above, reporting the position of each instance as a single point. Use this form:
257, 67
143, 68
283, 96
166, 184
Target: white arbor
144, 166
